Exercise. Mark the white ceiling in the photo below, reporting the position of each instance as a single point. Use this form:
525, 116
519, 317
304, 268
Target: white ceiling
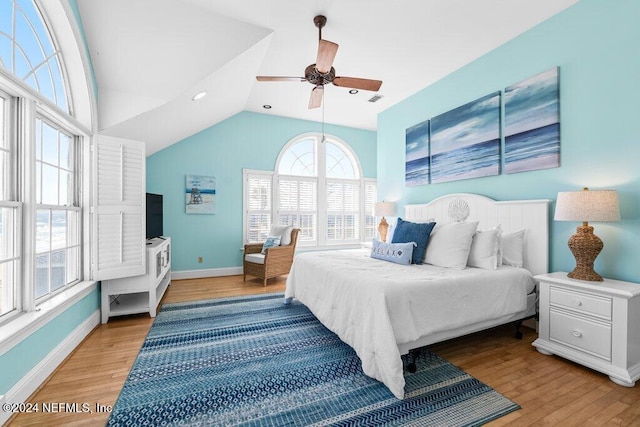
151, 56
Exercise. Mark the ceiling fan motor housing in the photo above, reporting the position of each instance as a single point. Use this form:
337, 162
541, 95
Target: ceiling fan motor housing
315, 77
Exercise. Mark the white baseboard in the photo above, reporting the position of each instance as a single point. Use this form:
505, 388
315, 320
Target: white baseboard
210, 272
20, 392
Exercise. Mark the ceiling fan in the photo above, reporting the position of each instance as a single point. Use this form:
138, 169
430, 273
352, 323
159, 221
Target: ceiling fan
322, 72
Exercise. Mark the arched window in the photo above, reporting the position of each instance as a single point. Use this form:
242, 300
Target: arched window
41, 146
317, 187
27, 50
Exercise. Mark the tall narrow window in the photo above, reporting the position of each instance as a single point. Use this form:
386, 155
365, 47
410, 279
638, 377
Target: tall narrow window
58, 215
258, 205
298, 205
9, 215
370, 197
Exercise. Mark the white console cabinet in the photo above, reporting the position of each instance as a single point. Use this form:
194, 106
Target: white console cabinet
140, 294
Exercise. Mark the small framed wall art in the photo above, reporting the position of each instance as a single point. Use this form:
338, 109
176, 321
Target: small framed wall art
200, 194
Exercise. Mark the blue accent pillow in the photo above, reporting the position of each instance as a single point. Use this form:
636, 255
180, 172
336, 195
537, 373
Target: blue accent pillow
400, 253
270, 242
407, 231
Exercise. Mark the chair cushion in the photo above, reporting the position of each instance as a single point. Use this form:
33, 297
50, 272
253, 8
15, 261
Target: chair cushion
254, 258
284, 231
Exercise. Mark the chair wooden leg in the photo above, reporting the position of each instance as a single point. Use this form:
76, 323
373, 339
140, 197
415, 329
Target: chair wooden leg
264, 282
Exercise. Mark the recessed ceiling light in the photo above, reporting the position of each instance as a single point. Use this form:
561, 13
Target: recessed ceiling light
266, 106
353, 91
199, 95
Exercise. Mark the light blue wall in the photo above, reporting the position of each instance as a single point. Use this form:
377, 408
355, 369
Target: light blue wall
596, 44
29, 352
244, 141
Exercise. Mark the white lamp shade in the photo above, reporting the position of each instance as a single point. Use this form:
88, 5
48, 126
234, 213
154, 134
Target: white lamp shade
384, 208
587, 206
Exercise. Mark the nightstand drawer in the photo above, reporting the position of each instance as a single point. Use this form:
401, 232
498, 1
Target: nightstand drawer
580, 302
583, 334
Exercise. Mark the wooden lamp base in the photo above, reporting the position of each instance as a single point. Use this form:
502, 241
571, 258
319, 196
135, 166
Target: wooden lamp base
382, 229
585, 247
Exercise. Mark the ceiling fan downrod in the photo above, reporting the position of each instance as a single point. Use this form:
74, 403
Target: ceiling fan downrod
320, 21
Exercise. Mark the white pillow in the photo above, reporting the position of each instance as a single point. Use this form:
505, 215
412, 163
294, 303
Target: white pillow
284, 231
449, 244
485, 248
512, 247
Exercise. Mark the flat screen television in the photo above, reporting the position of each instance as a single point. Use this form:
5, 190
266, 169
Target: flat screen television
154, 215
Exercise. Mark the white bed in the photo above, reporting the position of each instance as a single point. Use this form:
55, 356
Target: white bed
383, 310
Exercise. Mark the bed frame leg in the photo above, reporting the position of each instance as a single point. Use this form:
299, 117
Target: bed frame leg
518, 324
411, 359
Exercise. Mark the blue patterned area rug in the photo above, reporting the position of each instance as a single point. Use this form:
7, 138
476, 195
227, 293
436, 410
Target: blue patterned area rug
254, 361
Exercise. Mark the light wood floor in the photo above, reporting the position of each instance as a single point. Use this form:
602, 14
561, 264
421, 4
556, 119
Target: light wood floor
550, 390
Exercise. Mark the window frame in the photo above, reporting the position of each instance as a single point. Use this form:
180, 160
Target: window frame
72, 206
28, 104
246, 175
321, 180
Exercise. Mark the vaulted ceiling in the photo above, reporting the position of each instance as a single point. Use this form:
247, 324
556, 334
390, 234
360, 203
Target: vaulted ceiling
150, 57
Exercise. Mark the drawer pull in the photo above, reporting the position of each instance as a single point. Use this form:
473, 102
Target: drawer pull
577, 303
576, 333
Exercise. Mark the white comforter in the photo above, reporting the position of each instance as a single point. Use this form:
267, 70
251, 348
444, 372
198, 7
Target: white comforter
373, 305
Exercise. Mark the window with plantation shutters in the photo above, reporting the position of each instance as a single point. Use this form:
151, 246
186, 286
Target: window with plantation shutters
258, 202
119, 211
370, 197
298, 206
343, 210
317, 187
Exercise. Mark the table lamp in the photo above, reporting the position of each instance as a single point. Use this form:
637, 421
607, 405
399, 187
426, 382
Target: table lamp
586, 206
383, 209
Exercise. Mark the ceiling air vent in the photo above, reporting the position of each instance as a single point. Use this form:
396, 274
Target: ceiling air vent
375, 98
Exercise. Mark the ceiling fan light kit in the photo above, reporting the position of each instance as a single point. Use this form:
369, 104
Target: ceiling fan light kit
322, 72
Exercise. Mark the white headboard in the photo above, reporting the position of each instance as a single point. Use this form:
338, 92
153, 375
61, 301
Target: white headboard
513, 215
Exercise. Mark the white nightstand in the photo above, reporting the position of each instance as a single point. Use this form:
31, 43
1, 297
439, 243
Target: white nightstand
596, 324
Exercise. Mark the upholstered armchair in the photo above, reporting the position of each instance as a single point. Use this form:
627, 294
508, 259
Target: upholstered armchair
276, 261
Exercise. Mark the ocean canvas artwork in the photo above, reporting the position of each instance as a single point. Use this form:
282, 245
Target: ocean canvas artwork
417, 154
200, 194
465, 141
532, 123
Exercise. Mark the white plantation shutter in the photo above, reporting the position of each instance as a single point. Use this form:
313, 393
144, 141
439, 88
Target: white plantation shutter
119, 217
343, 210
298, 205
258, 187
370, 197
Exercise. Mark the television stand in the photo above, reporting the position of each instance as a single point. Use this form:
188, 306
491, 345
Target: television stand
140, 294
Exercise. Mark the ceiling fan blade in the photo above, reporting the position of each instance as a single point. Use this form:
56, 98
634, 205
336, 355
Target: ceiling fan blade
316, 97
326, 54
356, 83
279, 79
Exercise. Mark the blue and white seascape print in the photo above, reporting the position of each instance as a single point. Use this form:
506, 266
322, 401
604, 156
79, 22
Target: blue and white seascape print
465, 142
417, 155
532, 123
